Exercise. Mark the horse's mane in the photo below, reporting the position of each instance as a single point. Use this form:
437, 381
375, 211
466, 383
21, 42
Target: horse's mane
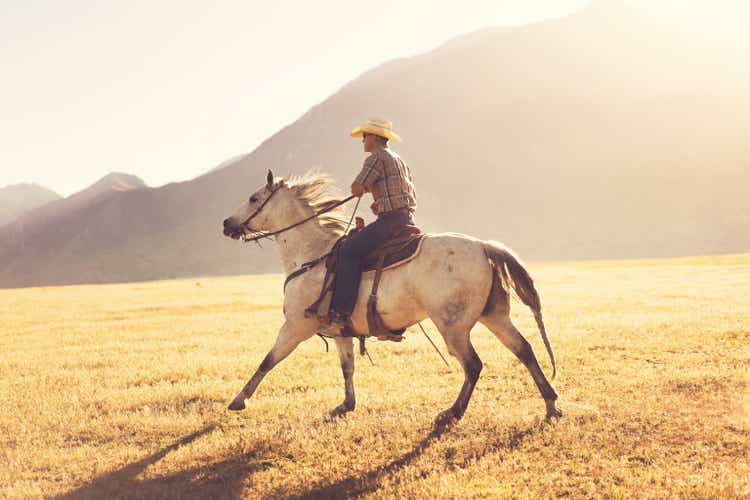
315, 189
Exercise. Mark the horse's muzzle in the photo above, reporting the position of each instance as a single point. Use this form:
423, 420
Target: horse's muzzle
232, 230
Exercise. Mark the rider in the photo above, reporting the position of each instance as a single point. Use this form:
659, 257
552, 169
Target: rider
386, 176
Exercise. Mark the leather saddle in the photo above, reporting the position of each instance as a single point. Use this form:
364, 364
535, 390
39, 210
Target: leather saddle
403, 246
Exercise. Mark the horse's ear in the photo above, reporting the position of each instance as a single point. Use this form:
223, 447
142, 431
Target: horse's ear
269, 179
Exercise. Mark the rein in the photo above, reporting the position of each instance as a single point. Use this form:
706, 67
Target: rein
261, 235
310, 264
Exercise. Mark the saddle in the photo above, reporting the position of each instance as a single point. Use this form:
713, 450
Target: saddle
399, 249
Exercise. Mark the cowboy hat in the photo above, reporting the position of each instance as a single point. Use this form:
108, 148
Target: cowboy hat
377, 126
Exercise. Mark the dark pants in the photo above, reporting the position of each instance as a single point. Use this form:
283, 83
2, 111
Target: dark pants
356, 246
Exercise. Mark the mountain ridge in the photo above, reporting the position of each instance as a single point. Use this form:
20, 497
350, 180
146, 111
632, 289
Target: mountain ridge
17, 199
563, 139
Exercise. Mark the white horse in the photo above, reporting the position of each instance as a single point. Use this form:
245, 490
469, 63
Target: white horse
455, 280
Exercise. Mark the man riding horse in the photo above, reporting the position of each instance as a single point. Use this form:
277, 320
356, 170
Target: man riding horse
455, 280
387, 177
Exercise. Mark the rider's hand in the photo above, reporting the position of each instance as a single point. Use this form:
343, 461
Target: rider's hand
358, 189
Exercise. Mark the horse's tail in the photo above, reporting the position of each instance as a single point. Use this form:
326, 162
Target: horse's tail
506, 264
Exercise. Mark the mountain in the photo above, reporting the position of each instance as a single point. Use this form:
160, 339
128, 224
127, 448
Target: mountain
62, 225
604, 134
226, 163
19, 198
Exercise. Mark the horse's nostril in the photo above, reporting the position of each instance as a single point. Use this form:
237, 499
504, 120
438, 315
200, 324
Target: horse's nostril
226, 222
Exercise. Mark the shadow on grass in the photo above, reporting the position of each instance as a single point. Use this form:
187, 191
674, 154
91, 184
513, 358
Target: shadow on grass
217, 480
226, 479
368, 482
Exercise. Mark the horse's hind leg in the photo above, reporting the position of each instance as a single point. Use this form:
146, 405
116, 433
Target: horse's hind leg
345, 347
459, 345
500, 324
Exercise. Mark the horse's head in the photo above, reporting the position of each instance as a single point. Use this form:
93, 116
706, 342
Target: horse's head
253, 216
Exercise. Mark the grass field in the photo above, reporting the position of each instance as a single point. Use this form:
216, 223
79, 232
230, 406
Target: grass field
121, 391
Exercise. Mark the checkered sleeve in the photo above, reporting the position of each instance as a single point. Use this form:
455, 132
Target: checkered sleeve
372, 170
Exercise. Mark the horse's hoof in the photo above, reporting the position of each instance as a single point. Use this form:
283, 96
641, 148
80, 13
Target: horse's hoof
553, 412
341, 410
237, 405
446, 418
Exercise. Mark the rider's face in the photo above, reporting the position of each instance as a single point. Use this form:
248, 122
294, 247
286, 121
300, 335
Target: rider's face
369, 142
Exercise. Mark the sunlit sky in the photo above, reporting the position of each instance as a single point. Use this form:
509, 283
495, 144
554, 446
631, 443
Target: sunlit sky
168, 89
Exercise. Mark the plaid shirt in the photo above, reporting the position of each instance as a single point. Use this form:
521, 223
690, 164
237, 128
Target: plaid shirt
387, 177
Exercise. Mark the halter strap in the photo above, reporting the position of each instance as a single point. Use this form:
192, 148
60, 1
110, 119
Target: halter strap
257, 211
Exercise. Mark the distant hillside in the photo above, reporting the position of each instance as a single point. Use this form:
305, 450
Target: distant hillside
63, 225
19, 198
599, 135
226, 163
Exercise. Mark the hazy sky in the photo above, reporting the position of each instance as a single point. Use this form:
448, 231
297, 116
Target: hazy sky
168, 89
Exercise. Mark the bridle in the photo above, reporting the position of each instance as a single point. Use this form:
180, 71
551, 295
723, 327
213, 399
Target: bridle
259, 235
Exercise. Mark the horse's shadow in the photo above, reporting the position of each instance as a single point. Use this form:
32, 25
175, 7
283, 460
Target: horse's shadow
225, 479
217, 480
368, 482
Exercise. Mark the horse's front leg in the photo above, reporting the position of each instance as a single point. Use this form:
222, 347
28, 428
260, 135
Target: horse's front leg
289, 338
345, 346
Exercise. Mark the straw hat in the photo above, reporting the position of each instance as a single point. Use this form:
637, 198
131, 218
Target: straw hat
377, 126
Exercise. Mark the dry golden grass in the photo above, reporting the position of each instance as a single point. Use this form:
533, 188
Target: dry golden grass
121, 390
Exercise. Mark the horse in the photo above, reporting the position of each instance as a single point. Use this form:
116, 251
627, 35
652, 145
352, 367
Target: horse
455, 280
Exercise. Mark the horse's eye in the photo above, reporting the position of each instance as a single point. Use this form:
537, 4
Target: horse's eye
253, 199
